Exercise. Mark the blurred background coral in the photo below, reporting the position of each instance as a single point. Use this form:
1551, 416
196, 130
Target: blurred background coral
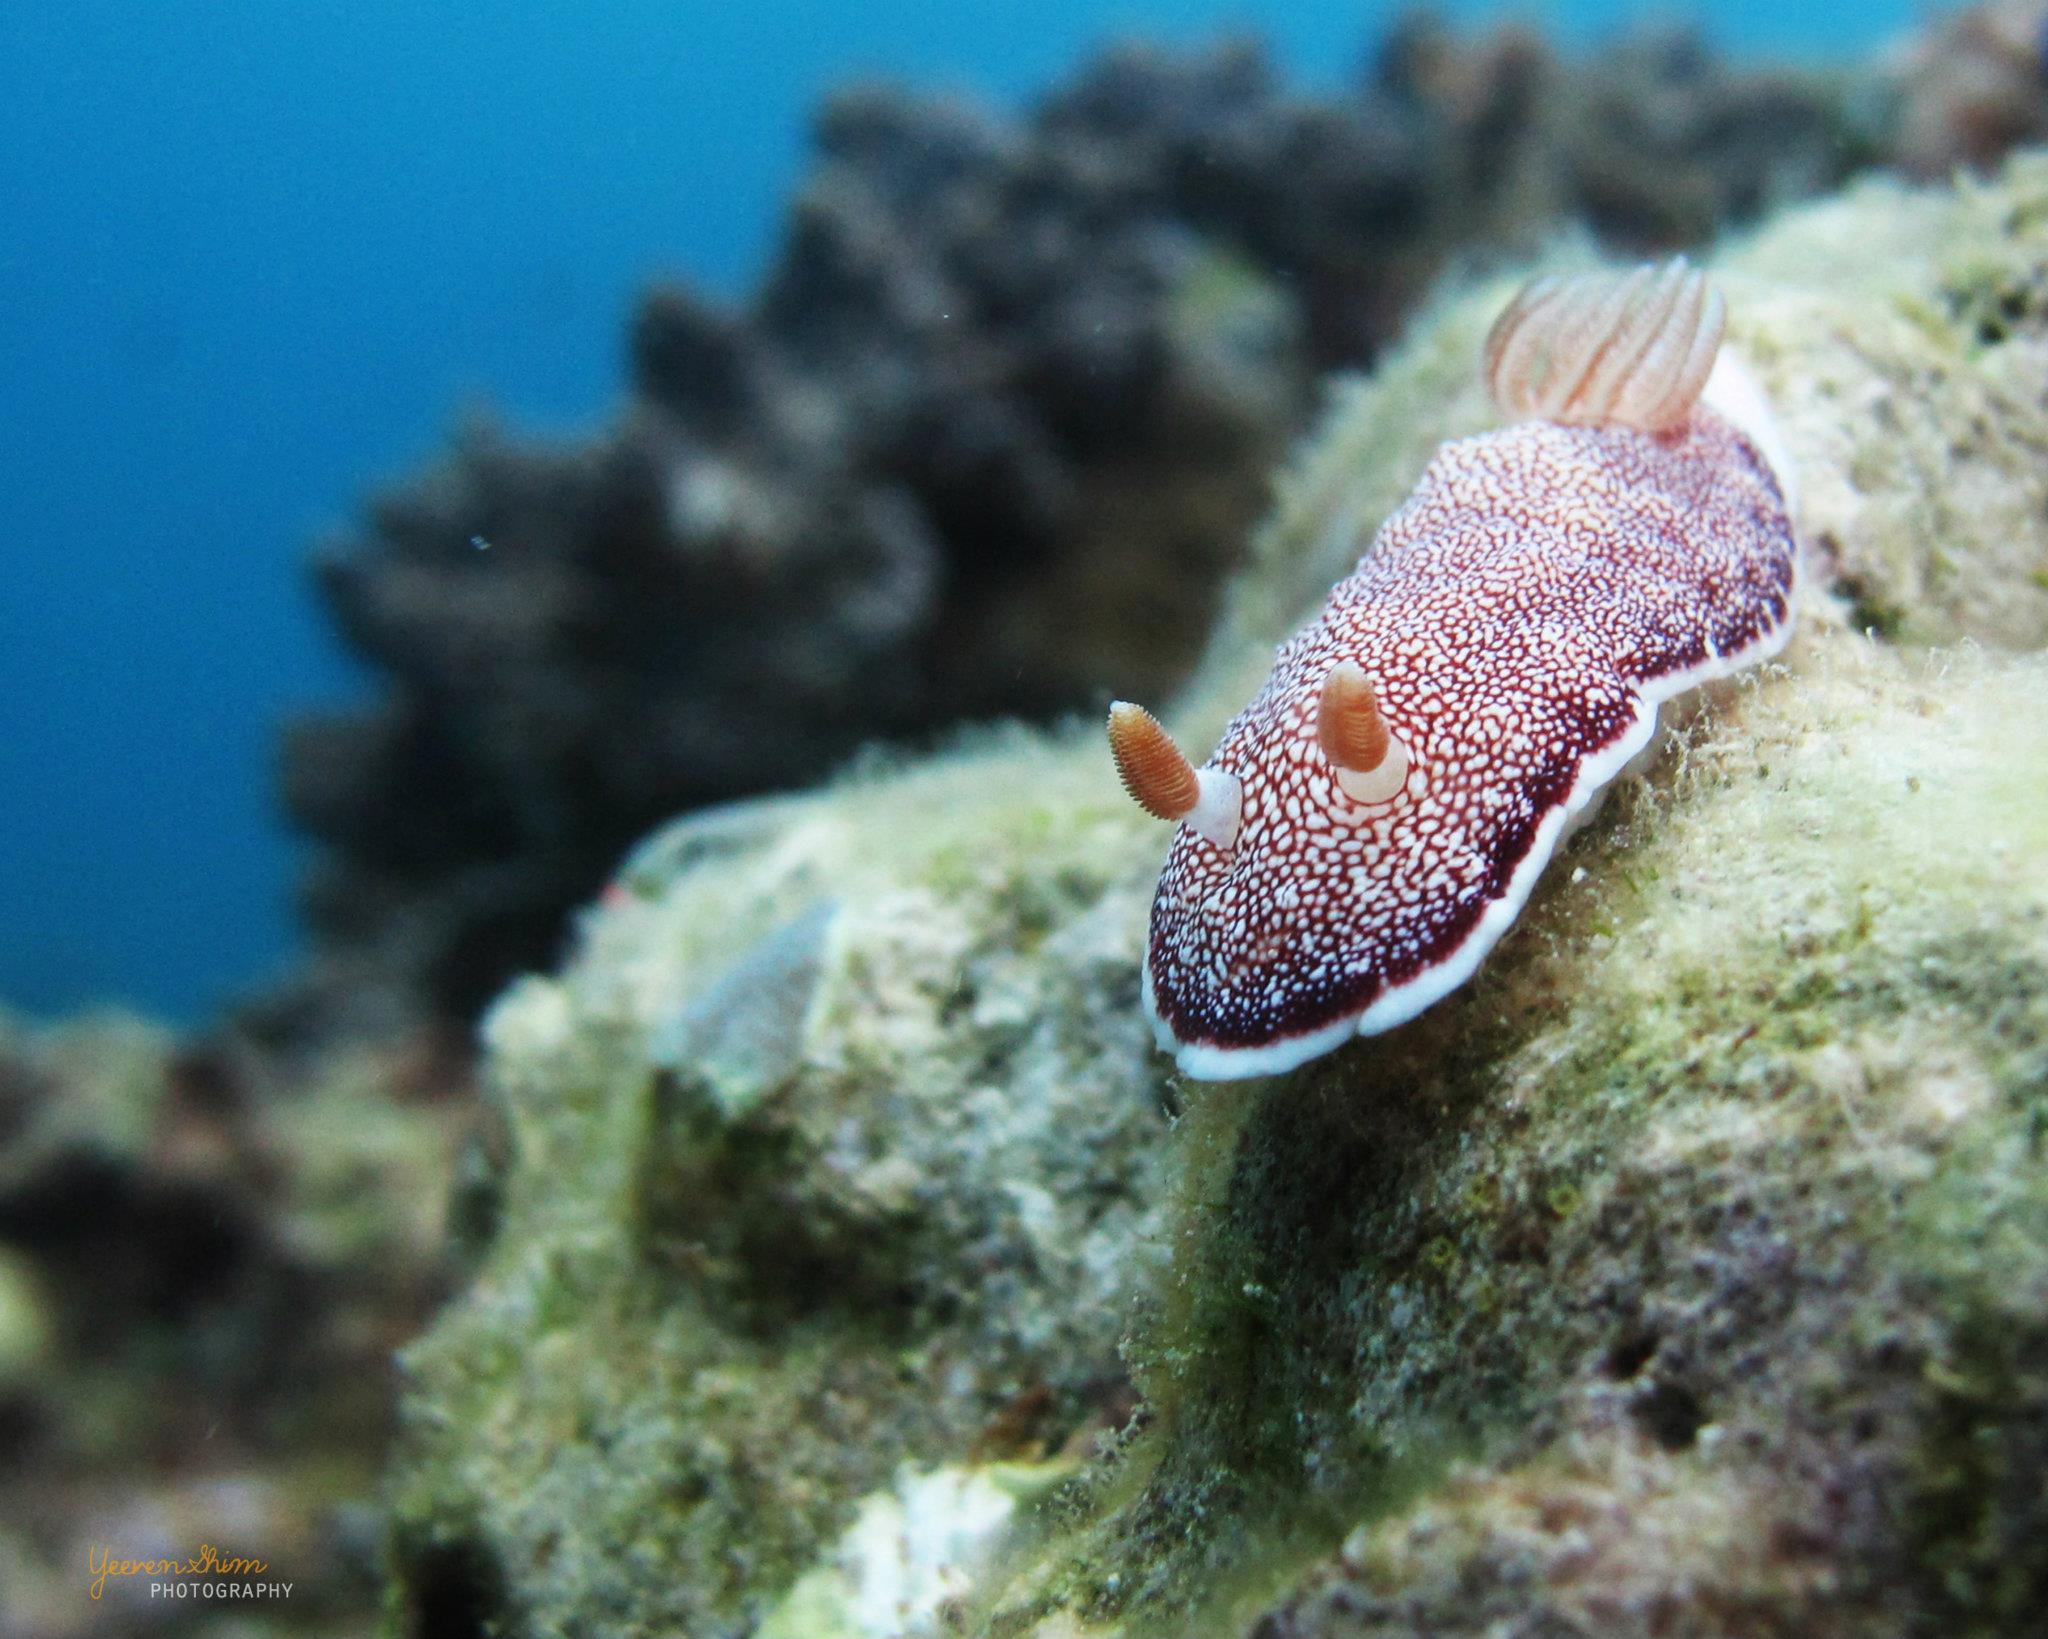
257, 258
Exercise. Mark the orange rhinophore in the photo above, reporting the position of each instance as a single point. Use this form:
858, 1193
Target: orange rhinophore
1154, 770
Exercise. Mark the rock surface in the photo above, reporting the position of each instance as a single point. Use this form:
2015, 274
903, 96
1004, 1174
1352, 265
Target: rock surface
1687, 1273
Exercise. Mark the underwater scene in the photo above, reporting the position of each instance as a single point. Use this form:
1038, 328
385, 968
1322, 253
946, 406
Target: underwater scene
1205, 821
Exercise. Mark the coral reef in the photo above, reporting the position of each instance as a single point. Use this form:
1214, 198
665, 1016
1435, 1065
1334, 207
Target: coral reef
984, 444
839, 1257
203, 1276
1972, 86
1686, 1274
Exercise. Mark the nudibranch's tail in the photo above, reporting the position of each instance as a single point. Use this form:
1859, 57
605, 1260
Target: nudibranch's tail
1607, 348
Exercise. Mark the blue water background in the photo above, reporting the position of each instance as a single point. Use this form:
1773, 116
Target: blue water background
257, 255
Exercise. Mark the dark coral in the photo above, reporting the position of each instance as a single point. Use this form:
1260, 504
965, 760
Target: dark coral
1973, 87
984, 444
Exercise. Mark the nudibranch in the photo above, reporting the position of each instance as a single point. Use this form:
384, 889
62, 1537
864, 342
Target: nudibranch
1376, 818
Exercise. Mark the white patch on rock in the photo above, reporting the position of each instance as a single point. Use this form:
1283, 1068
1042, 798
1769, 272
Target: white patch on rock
909, 1550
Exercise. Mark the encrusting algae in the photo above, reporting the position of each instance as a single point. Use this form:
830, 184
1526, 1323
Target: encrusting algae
1685, 1273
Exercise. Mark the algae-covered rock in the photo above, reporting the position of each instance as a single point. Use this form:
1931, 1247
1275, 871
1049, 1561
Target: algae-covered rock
898, 1212
1687, 1273
202, 1280
1712, 1216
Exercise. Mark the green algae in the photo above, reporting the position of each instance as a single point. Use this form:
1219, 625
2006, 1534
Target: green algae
1457, 1241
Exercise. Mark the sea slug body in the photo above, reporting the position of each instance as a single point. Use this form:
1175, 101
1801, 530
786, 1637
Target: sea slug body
1372, 823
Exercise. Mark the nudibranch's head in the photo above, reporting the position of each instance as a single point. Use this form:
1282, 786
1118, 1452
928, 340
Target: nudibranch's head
1376, 818
1276, 871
